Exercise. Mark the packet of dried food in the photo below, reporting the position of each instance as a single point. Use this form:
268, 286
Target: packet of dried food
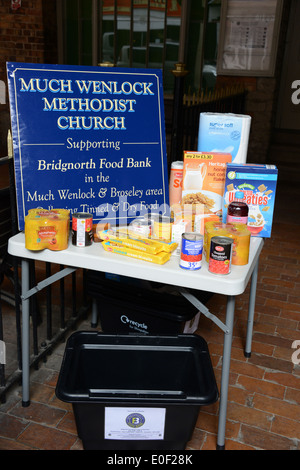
204, 179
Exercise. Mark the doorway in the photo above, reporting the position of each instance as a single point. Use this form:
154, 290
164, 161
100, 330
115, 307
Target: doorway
288, 109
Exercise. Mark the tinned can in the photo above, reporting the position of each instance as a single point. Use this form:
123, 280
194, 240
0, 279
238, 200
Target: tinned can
175, 185
220, 255
82, 229
141, 227
191, 251
162, 227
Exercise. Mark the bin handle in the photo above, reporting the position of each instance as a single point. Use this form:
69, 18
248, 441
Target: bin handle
116, 393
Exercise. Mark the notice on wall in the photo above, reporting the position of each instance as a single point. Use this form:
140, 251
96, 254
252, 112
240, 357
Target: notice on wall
88, 139
249, 37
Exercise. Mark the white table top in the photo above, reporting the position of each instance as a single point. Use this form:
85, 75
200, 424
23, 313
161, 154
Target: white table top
96, 258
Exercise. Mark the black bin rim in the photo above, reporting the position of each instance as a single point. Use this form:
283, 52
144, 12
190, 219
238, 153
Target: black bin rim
122, 342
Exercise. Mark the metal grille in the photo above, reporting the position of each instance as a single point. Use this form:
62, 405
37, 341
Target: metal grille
48, 325
120, 33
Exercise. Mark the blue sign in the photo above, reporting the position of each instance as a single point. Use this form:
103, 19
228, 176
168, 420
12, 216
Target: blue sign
88, 139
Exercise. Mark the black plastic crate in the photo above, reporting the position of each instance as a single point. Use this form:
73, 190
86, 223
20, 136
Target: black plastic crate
129, 308
136, 392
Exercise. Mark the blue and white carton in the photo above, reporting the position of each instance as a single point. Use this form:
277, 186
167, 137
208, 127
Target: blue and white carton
225, 132
258, 183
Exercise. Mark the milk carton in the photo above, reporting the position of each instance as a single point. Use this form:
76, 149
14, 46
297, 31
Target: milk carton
258, 183
225, 132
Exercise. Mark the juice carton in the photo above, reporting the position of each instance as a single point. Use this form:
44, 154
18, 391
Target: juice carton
204, 179
258, 183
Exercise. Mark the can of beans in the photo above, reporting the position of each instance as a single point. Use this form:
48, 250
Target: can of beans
82, 229
220, 255
191, 251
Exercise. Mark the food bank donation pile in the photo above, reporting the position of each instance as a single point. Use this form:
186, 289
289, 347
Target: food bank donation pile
201, 188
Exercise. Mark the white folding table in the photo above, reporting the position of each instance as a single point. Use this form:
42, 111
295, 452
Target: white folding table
96, 258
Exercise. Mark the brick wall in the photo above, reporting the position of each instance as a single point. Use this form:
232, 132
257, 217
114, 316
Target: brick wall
22, 33
260, 105
27, 35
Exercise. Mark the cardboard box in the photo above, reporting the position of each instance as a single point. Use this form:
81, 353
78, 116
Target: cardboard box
258, 183
204, 179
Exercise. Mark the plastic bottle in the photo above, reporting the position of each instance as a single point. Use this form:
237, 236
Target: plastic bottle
175, 186
237, 211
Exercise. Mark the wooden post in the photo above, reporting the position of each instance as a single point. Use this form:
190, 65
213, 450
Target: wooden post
177, 118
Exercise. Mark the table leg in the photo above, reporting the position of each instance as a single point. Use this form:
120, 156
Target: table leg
25, 335
251, 308
225, 372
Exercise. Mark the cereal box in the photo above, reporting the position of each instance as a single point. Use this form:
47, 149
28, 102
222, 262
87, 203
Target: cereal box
258, 182
204, 179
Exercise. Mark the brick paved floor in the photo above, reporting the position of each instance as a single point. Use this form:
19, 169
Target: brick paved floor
264, 392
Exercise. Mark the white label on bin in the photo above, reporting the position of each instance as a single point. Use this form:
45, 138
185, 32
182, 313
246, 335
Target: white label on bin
134, 423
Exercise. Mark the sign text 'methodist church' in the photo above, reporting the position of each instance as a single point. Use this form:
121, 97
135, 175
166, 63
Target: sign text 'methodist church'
88, 139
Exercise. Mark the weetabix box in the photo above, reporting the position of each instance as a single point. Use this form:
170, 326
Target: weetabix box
258, 183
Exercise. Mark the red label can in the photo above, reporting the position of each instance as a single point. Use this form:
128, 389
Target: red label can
220, 255
82, 229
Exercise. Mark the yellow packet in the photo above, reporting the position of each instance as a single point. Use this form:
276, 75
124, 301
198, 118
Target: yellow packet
113, 247
144, 245
128, 238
